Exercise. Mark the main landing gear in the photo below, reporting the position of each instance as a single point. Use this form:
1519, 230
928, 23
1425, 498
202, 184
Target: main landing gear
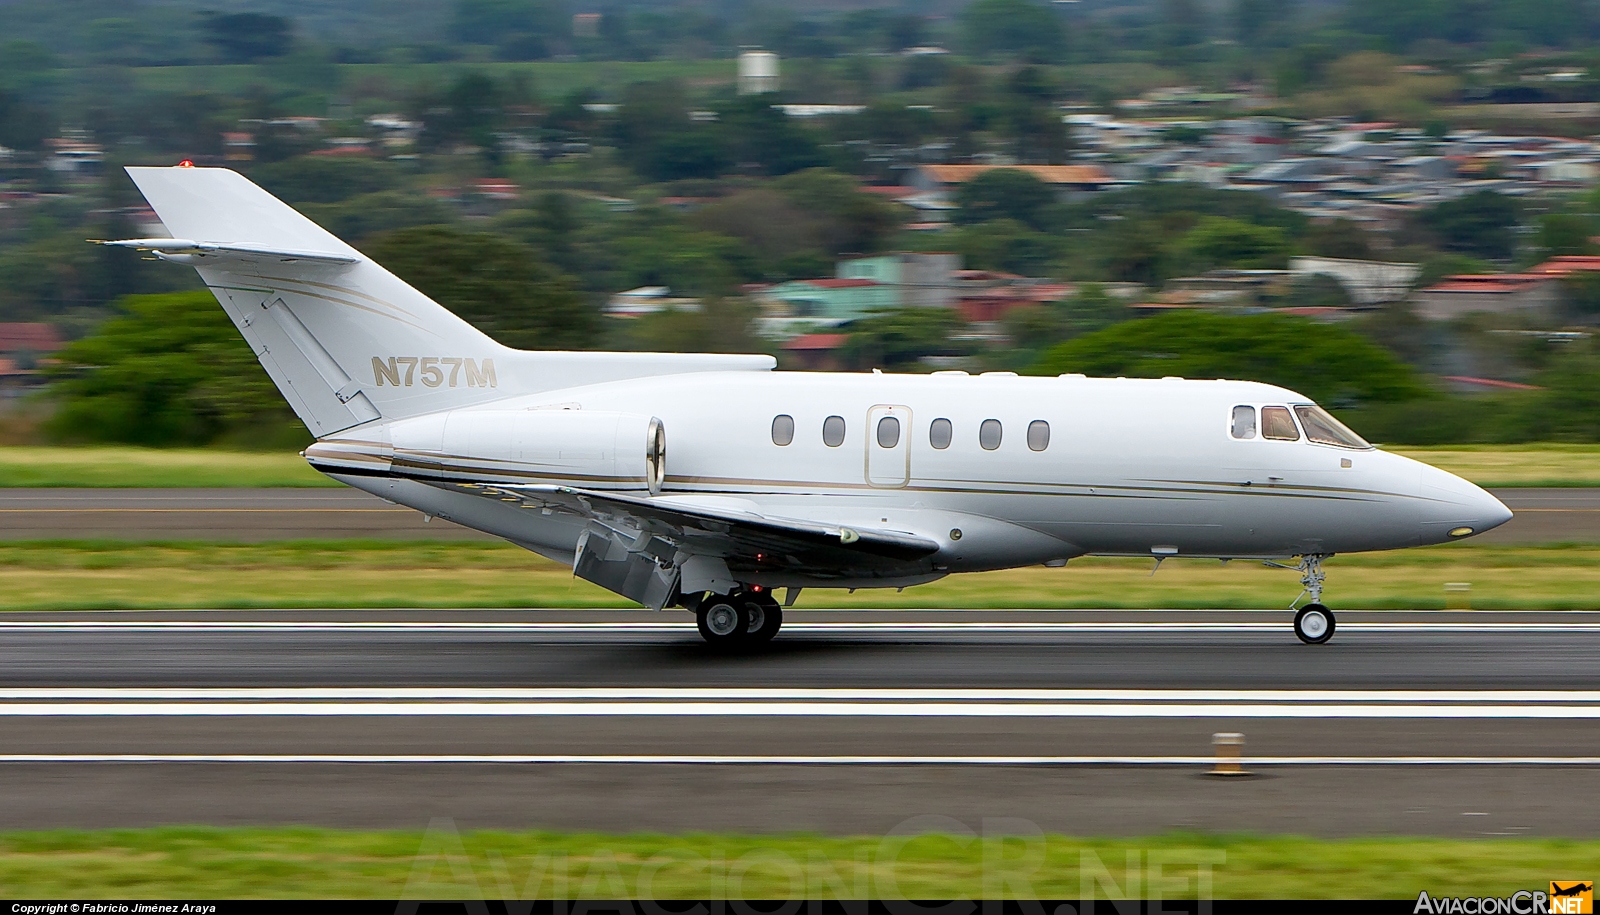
1314, 623
738, 619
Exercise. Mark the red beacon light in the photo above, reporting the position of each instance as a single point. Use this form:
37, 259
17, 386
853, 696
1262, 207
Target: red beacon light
187, 163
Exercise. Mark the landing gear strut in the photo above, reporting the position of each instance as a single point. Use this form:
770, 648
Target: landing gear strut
741, 618
1314, 623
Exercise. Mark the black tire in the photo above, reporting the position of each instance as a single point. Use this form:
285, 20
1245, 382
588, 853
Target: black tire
722, 621
766, 617
1314, 624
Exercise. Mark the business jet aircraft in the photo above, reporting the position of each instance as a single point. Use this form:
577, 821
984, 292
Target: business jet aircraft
780, 479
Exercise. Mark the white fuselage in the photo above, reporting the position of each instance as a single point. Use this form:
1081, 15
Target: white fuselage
1131, 467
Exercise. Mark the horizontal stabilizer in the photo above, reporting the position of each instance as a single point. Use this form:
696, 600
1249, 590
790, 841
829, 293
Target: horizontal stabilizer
185, 251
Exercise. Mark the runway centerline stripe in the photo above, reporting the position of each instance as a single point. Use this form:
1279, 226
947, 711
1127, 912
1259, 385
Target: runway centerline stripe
650, 759
855, 709
739, 694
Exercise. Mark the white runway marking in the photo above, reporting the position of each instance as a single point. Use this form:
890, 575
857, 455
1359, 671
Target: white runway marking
832, 703
780, 709
732, 694
686, 627
805, 760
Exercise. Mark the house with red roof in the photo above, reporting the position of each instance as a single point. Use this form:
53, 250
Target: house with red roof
1533, 294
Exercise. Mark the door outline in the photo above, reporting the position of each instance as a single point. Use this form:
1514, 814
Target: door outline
888, 468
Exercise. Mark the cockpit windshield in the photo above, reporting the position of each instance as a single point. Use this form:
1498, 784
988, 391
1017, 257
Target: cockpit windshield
1325, 430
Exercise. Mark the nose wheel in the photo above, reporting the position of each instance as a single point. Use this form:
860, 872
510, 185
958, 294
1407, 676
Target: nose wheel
1314, 624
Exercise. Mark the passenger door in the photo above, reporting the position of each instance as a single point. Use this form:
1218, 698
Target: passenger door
888, 446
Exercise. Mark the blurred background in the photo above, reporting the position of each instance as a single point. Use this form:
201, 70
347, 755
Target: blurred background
1387, 206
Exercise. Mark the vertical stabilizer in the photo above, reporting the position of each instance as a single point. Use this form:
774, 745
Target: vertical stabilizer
345, 340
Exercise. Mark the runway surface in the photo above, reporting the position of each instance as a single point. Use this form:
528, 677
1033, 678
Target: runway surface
1543, 515
850, 722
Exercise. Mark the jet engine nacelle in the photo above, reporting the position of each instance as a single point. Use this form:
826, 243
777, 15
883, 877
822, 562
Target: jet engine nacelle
592, 449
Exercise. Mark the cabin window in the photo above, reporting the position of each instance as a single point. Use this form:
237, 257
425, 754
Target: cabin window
989, 434
1038, 435
940, 434
888, 432
1244, 422
1278, 425
1325, 430
833, 431
782, 429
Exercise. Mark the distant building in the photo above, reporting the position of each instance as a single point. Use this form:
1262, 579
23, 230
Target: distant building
586, 25
758, 72
919, 280
647, 300
1497, 293
832, 301
1366, 282
816, 352
1066, 180
29, 338
1568, 264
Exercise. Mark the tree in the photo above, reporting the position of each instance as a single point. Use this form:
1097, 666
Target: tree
249, 37
761, 138
1479, 224
853, 222
1008, 245
1217, 241
1012, 27
519, 29
1337, 238
168, 370
901, 337
499, 286
315, 179
1326, 363
1003, 193
1565, 233
470, 112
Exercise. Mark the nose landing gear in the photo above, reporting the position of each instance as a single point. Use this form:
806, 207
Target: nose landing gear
1314, 624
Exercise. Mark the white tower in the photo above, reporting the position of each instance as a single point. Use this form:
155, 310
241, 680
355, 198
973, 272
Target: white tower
758, 72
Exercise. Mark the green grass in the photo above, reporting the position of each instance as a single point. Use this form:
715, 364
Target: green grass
155, 467
1486, 465
311, 574
218, 863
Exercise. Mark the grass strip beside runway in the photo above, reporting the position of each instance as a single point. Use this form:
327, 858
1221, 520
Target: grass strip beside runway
99, 467
1487, 465
356, 574
202, 862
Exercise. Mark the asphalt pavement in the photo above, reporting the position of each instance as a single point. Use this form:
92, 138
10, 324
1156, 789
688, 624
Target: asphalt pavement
1089, 722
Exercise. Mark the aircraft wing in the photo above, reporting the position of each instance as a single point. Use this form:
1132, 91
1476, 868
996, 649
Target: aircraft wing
726, 532
637, 545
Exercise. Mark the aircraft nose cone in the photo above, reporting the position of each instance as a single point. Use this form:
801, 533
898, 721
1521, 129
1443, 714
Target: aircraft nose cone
1460, 508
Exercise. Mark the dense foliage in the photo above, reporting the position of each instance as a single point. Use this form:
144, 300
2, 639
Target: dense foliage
168, 370
500, 286
1330, 365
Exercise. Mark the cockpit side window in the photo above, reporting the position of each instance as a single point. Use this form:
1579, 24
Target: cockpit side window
1244, 422
1325, 430
1278, 425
